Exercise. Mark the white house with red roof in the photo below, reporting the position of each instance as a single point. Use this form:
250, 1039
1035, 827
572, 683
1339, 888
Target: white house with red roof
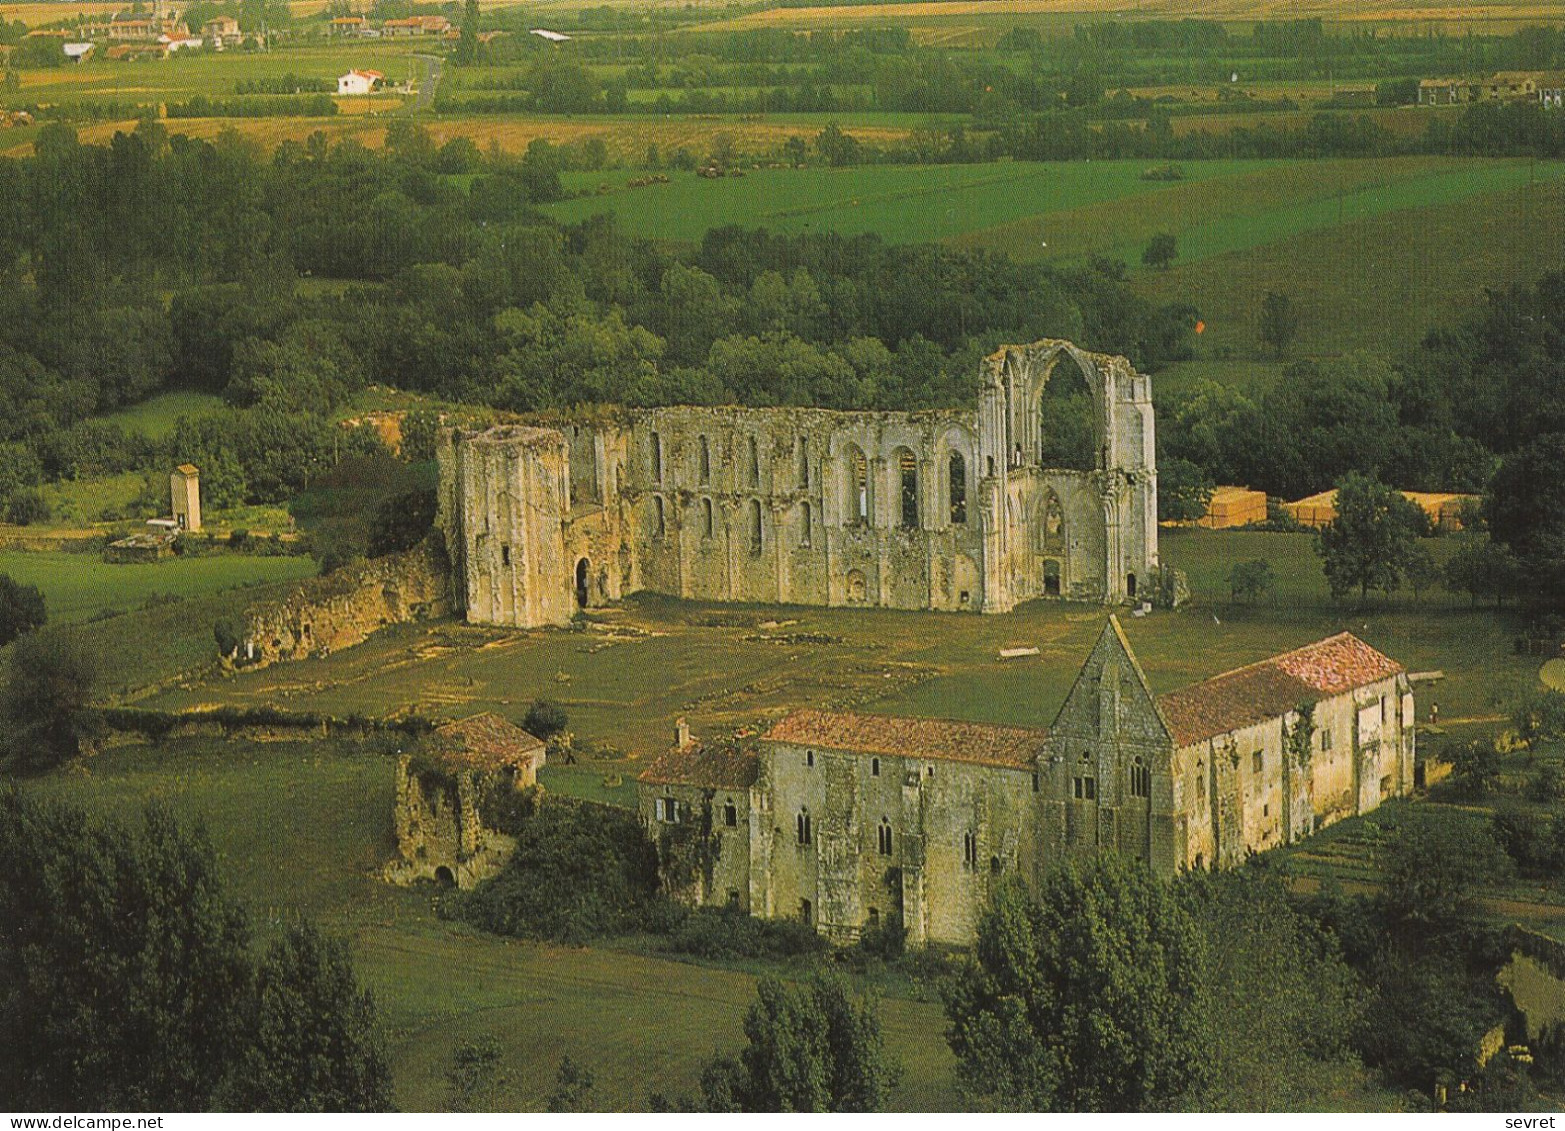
849, 821
357, 82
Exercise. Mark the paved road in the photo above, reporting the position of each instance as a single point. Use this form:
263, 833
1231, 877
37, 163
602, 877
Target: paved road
431, 80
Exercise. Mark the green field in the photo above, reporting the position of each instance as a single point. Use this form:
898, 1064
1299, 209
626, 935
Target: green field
1379, 282
156, 416
1062, 212
302, 829
78, 586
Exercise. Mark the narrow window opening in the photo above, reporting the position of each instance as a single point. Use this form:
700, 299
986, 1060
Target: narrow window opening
874, 767
883, 837
802, 826
731, 815
704, 461
958, 477
708, 523
755, 462
806, 912
657, 458
806, 522
505, 555
755, 526
809, 757
970, 849
659, 519
858, 486
804, 462
908, 466
1130, 585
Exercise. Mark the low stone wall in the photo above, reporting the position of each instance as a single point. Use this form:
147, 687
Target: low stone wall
326, 614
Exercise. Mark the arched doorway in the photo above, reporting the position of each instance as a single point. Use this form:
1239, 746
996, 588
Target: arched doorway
444, 878
582, 569
1051, 578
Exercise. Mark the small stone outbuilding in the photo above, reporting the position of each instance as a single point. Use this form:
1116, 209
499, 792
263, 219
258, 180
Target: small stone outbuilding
443, 789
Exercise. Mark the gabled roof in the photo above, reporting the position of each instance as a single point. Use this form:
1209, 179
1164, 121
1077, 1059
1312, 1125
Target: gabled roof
483, 742
1272, 687
722, 765
938, 739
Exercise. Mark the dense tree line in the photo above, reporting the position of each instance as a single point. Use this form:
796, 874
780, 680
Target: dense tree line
130, 983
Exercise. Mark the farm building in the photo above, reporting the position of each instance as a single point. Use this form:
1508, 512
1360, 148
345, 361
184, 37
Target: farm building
441, 793
349, 25
1443, 508
359, 82
845, 820
222, 32
1233, 506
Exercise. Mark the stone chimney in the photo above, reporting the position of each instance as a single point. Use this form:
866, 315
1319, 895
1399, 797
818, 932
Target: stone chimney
681, 733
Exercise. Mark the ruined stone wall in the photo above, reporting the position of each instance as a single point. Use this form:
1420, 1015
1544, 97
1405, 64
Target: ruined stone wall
440, 835
950, 510
325, 614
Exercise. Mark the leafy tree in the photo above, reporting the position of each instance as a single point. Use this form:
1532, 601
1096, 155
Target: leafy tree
125, 964
26, 507
1094, 997
466, 52
1433, 863
838, 148
1252, 580
1526, 516
1184, 490
1421, 570
572, 1087
1366, 546
310, 1039
1160, 251
1278, 323
21, 608
49, 683
813, 1047
1475, 766
402, 522
1288, 1003
545, 718
227, 633
1481, 568
477, 1076
1539, 716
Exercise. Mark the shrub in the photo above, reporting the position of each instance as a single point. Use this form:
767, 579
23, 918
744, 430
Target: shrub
545, 719
27, 507
21, 608
227, 634
710, 932
580, 871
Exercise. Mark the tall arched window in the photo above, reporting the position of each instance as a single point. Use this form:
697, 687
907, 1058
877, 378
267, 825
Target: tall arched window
883, 837
659, 520
970, 849
802, 826
657, 458
806, 522
804, 462
858, 487
707, 523
755, 526
907, 467
958, 477
754, 469
704, 461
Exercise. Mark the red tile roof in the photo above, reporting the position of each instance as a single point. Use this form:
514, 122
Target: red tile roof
1267, 689
941, 739
723, 765
484, 742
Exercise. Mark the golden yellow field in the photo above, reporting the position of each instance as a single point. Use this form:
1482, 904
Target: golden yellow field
625, 141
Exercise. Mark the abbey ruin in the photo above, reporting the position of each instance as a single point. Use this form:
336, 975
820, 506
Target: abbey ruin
956, 510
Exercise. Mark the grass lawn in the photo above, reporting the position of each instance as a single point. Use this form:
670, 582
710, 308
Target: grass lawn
156, 416
78, 586
715, 664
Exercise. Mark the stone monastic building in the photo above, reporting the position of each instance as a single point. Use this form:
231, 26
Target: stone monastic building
846, 820
955, 509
